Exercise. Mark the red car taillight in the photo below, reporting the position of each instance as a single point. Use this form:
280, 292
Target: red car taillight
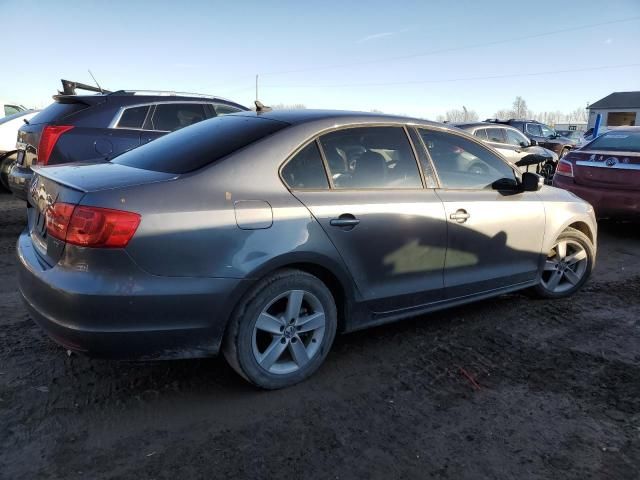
91, 226
48, 139
564, 168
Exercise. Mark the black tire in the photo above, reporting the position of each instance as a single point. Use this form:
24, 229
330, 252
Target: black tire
5, 165
238, 345
571, 235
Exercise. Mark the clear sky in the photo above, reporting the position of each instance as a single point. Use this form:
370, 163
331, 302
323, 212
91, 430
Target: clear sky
330, 54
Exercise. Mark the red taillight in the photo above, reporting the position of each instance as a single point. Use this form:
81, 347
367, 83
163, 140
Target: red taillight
564, 168
48, 139
91, 226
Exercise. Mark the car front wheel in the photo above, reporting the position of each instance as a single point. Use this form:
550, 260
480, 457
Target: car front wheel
567, 266
282, 330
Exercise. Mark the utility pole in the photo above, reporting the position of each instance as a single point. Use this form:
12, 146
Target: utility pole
256, 86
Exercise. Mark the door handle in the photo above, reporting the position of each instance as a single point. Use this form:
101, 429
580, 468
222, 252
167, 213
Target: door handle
346, 221
460, 216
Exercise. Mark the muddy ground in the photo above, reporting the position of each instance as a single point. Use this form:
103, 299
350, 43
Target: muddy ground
506, 388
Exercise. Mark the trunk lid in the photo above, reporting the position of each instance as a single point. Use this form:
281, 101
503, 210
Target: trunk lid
606, 169
69, 184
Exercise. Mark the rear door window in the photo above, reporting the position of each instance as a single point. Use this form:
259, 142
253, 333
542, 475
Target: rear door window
204, 143
496, 135
481, 134
534, 129
11, 109
371, 157
462, 163
133, 117
169, 117
305, 170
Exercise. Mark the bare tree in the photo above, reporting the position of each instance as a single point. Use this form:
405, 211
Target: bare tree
503, 114
284, 106
520, 109
459, 116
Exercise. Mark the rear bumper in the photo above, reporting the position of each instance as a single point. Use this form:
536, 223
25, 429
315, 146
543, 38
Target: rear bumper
606, 202
125, 313
19, 180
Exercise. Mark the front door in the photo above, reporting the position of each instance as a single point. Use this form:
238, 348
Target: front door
389, 230
494, 238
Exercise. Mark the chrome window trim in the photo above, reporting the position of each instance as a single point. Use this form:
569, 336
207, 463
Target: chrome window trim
617, 166
116, 119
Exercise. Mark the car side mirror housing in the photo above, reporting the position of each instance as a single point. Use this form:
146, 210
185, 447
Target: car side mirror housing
506, 184
532, 182
524, 144
533, 142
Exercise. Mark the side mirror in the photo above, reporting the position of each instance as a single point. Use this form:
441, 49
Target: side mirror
505, 184
533, 142
532, 182
524, 144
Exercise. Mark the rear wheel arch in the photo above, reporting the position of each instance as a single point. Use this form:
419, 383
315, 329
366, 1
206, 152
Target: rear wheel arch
325, 269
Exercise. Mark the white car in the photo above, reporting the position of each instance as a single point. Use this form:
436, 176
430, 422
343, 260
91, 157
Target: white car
9, 126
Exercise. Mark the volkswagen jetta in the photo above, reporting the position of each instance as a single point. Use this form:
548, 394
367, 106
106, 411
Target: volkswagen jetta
263, 234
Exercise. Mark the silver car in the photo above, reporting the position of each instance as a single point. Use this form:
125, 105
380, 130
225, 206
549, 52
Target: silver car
514, 146
262, 235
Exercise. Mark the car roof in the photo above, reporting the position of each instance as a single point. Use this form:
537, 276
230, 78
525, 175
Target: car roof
466, 126
297, 117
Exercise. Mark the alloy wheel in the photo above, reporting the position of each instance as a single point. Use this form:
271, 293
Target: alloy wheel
288, 332
565, 266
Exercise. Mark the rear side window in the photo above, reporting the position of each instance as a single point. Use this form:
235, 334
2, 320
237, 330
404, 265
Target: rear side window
371, 157
202, 144
481, 134
133, 117
11, 109
57, 111
616, 141
225, 109
496, 135
305, 170
174, 116
534, 129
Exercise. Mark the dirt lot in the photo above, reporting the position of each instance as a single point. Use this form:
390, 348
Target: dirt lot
507, 388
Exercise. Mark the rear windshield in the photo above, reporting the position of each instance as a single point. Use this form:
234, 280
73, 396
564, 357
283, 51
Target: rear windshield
616, 141
200, 144
56, 111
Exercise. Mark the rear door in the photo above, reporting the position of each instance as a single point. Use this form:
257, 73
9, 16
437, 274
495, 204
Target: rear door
494, 238
389, 230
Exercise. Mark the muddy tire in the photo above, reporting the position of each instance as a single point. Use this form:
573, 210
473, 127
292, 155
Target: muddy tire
282, 330
567, 267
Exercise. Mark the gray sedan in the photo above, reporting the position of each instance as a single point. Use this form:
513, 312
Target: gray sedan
262, 235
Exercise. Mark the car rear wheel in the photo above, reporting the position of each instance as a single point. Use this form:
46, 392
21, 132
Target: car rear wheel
567, 266
282, 330
5, 166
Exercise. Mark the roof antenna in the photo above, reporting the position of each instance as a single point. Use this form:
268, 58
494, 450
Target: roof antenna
261, 108
94, 79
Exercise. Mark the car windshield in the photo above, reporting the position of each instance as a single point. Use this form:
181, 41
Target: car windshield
14, 116
200, 144
617, 141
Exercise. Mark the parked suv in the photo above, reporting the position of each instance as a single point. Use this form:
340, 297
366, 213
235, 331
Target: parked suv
542, 135
97, 128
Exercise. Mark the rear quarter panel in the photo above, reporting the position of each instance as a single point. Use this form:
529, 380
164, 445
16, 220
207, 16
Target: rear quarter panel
189, 226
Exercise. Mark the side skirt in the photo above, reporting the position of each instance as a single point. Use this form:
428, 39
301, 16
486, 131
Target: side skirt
382, 318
